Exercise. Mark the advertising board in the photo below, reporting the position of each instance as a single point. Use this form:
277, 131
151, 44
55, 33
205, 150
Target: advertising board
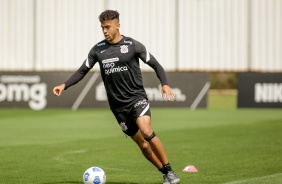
34, 90
260, 90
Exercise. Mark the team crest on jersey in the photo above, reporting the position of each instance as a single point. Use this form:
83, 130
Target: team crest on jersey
123, 126
124, 49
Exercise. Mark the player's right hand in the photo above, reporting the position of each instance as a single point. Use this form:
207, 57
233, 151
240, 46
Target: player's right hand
58, 89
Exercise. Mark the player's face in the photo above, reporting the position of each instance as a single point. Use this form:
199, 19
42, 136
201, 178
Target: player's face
110, 30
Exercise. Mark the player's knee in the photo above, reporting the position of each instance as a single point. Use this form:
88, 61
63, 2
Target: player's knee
144, 145
150, 137
146, 132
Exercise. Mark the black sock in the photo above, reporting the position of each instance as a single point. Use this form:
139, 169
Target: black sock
167, 167
163, 170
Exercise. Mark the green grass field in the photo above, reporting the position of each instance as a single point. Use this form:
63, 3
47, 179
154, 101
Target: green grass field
227, 145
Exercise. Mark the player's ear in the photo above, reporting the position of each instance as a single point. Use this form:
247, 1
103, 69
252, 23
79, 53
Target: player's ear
118, 25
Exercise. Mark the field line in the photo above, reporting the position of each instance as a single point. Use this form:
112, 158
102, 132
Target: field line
200, 96
85, 91
255, 179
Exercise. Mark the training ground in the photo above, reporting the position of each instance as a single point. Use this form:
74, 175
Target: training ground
227, 145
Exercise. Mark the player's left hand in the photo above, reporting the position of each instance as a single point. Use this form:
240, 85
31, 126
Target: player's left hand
167, 92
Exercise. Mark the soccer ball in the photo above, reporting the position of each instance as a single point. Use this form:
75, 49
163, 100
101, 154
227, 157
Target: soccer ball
94, 175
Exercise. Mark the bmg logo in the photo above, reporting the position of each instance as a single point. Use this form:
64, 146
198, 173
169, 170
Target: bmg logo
14, 88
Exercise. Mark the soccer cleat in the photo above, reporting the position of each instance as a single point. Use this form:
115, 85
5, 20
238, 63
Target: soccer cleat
165, 179
172, 178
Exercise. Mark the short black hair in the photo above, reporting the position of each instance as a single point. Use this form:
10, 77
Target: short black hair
109, 15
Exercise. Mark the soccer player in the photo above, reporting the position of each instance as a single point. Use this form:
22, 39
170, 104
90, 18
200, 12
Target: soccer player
118, 58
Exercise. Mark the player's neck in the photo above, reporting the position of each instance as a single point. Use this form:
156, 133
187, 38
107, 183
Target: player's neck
117, 39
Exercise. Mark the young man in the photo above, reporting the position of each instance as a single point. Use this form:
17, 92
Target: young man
118, 58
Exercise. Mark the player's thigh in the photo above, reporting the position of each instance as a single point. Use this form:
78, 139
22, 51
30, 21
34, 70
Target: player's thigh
141, 113
144, 124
